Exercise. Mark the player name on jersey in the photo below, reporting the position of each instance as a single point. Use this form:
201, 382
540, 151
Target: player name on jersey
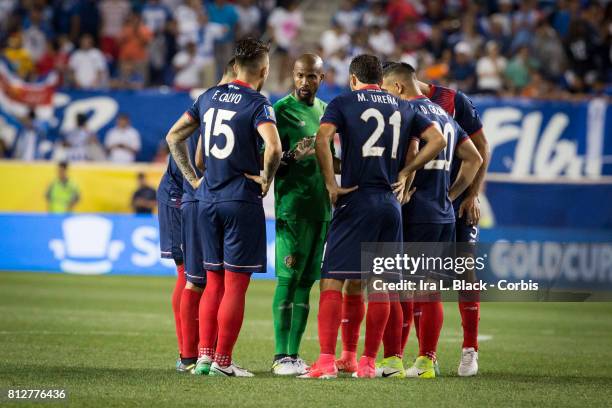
377, 98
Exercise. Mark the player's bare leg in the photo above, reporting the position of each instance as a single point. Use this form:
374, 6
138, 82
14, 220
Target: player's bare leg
330, 314
353, 312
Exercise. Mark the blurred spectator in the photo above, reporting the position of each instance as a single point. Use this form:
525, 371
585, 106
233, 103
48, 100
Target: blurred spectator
189, 17
86, 19
285, 24
81, 143
188, 65
410, 36
467, 34
399, 11
31, 135
155, 15
113, 14
581, 47
519, 69
249, 18
35, 34
144, 198
348, 16
490, 69
161, 52
133, 47
376, 15
122, 142
87, 65
62, 194
548, 50
381, 41
18, 56
209, 34
437, 43
339, 63
496, 32
462, 69
221, 12
334, 39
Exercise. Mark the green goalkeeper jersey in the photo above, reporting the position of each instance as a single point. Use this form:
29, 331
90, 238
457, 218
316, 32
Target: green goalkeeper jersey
299, 187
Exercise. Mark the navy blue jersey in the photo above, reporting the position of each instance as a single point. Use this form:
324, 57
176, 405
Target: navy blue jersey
430, 202
188, 191
229, 116
461, 108
170, 188
374, 129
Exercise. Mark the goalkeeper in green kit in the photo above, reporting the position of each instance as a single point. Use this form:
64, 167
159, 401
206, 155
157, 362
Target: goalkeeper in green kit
303, 212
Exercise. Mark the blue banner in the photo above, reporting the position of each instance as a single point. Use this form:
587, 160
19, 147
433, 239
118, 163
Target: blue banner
545, 139
129, 245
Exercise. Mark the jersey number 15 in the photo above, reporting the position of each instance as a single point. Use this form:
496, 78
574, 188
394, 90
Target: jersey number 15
219, 128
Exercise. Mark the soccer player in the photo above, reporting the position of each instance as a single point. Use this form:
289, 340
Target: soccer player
169, 195
232, 119
467, 210
374, 129
303, 212
427, 217
192, 249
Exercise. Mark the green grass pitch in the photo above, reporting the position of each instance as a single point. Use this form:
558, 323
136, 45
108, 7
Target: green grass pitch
109, 341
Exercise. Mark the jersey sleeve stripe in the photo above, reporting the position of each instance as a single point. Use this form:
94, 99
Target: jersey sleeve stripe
473, 133
261, 122
425, 130
190, 115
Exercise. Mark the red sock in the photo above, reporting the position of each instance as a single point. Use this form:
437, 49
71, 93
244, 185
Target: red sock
209, 308
353, 310
432, 316
392, 338
376, 321
231, 315
330, 315
190, 303
469, 308
407, 307
176, 304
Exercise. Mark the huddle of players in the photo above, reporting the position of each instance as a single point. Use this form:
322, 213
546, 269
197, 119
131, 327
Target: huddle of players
385, 140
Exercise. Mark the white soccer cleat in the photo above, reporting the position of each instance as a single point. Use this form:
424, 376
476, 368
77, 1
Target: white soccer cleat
232, 370
285, 366
300, 366
468, 366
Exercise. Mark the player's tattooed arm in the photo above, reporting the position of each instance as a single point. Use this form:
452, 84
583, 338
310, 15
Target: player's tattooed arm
470, 163
176, 138
199, 157
326, 161
470, 205
271, 157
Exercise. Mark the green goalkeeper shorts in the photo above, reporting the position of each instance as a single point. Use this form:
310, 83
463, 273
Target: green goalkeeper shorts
299, 248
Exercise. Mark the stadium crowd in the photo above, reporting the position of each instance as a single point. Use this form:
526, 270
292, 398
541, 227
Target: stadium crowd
539, 49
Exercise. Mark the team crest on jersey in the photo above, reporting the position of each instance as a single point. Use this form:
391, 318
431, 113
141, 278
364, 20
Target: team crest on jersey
290, 261
269, 111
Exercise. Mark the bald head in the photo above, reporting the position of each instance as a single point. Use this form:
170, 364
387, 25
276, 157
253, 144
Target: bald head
307, 77
309, 61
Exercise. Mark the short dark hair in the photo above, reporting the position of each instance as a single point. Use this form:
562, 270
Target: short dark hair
250, 53
367, 69
229, 67
63, 165
402, 69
